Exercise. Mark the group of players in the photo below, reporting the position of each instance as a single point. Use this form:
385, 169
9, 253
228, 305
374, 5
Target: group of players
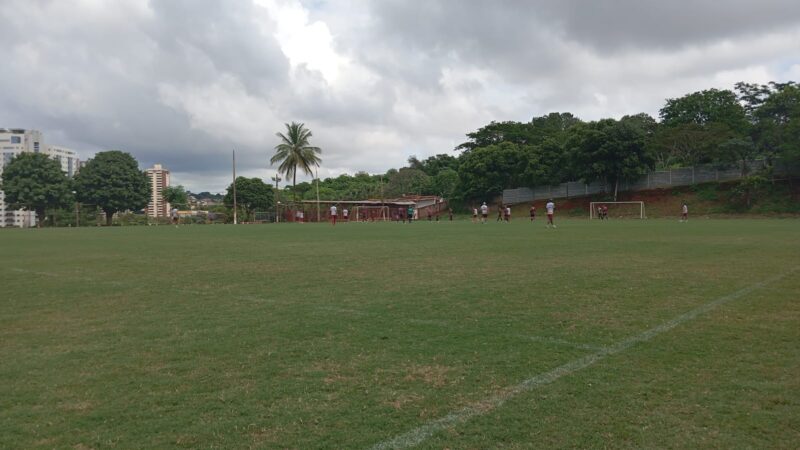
504, 213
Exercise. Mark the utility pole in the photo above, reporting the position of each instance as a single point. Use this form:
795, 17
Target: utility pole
316, 173
235, 221
277, 179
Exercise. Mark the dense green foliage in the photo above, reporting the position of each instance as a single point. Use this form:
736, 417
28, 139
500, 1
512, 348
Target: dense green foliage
710, 126
252, 195
312, 337
113, 182
35, 182
176, 196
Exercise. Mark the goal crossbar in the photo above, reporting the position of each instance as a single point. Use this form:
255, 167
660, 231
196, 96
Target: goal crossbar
382, 213
593, 208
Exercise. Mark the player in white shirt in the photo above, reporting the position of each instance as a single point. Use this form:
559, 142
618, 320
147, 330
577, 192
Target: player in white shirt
484, 212
550, 207
684, 213
333, 214
508, 214
474, 215
345, 215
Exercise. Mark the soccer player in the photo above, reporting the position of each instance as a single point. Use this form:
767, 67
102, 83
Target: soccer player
450, 213
499, 213
605, 212
410, 212
333, 215
345, 215
175, 218
533, 213
484, 212
684, 213
550, 207
508, 214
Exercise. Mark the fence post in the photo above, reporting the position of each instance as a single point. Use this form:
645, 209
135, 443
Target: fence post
567, 189
692, 174
648, 180
670, 177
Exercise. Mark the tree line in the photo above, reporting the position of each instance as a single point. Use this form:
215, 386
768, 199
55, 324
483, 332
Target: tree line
709, 126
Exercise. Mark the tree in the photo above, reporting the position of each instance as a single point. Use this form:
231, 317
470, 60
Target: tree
689, 144
777, 131
112, 181
35, 182
486, 171
295, 152
252, 194
610, 150
407, 181
706, 107
176, 196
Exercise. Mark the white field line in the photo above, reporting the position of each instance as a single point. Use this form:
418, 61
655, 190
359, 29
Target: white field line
420, 434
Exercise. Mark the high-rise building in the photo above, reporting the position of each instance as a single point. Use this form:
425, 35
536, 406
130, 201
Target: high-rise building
159, 179
14, 141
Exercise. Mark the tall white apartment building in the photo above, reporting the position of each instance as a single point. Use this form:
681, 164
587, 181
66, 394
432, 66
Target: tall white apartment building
159, 179
14, 141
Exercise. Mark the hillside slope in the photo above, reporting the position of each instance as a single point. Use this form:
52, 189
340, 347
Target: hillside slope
704, 200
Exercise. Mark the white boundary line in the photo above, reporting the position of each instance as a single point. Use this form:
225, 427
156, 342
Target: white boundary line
420, 434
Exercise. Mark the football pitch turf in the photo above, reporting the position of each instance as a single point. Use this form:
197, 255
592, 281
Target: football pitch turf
641, 334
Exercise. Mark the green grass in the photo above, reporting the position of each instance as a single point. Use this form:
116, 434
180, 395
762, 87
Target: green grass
309, 336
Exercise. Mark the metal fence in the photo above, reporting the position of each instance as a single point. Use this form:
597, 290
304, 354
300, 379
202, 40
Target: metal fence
684, 176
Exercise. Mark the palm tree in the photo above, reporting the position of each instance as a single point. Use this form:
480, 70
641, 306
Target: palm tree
294, 152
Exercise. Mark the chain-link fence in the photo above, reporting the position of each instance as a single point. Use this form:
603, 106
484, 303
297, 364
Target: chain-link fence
683, 176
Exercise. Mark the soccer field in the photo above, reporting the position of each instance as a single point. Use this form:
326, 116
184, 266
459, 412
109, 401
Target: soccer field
451, 335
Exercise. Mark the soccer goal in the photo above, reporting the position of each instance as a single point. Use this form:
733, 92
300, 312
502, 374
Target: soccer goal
370, 213
617, 210
264, 217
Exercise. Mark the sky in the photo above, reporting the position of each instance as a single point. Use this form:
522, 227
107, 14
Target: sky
184, 82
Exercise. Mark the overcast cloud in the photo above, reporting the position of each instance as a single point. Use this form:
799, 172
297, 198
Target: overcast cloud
182, 82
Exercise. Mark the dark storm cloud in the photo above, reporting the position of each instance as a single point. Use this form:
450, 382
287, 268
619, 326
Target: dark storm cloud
181, 82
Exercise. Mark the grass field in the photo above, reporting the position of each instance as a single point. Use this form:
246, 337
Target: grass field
452, 335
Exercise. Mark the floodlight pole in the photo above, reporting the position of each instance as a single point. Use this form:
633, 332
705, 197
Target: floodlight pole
316, 173
235, 219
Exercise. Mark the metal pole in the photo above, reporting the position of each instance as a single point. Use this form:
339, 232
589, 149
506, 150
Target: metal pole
277, 180
235, 219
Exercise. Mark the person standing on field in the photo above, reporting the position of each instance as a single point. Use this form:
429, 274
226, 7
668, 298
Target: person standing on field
345, 215
684, 213
508, 214
484, 212
334, 213
605, 212
450, 213
533, 213
499, 213
175, 218
551, 208
410, 212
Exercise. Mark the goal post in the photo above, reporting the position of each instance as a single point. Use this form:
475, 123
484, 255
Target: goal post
370, 213
631, 209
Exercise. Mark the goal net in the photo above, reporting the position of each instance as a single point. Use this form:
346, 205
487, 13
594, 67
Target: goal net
370, 213
616, 210
264, 216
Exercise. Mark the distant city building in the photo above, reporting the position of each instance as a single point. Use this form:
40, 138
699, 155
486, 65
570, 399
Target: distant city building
14, 141
159, 179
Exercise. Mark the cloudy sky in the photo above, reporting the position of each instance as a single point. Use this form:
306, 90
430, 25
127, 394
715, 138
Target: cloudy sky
182, 82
